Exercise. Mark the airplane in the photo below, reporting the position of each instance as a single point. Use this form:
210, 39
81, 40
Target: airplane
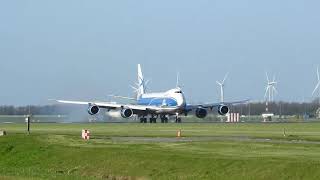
153, 105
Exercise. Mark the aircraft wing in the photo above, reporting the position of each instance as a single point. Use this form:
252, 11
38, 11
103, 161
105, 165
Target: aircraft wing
111, 105
213, 105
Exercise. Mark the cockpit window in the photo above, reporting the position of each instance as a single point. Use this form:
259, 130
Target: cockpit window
179, 92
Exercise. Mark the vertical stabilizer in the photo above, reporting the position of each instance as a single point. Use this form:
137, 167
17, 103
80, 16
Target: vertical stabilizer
141, 83
178, 80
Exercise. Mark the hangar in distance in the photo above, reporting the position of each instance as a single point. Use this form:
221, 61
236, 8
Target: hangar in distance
155, 105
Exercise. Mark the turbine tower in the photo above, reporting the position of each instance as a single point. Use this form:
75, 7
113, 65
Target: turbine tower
318, 84
270, 89
222, 85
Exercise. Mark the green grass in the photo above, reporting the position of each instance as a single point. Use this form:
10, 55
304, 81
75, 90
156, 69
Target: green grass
151, 151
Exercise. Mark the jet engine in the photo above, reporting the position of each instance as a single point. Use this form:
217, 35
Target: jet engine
126, 113
92, 110
223, 109
201, 112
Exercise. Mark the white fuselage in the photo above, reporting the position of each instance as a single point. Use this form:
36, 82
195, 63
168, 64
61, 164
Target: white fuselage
171, 98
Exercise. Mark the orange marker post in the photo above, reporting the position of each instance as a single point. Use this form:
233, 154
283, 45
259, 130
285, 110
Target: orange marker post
179, 134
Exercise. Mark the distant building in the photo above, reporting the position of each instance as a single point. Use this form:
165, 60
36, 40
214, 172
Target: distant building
267, 117
306, 116
318, 113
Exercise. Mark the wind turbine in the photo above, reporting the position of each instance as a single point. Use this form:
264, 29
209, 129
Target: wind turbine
270, 89
318, 84
136, 88
222, 85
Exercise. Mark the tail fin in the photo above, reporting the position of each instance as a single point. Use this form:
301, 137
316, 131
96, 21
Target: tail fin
141, 83
178, 80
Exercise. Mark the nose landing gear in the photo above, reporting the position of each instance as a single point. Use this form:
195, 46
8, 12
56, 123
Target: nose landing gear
178, 119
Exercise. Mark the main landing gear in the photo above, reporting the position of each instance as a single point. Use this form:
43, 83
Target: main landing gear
164, 119
143, 120
152, 119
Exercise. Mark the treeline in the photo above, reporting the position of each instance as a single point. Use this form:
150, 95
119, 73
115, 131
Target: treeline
279, 108
257, 108
36, 110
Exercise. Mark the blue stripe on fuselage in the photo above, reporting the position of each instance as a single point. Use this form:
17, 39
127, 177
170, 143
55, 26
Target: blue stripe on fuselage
157, 101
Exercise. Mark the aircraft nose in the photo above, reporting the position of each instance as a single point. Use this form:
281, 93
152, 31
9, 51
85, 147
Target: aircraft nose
181, 100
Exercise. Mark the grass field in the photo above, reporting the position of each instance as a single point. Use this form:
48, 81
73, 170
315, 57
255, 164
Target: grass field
151, 151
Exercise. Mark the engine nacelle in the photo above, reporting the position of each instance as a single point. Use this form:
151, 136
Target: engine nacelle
126, 113
201, 113
223, 110
92, 110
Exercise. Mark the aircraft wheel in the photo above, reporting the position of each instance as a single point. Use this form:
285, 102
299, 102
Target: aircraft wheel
164, 120
153, 120
143, 120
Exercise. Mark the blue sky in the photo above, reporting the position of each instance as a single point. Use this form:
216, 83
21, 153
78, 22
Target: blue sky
88, 49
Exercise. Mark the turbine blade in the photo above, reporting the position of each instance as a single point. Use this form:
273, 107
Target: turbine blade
274, 78
134, 88
266, 93
147, 82
225, 78
316, 88
275, 90
219, 83
267, 77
